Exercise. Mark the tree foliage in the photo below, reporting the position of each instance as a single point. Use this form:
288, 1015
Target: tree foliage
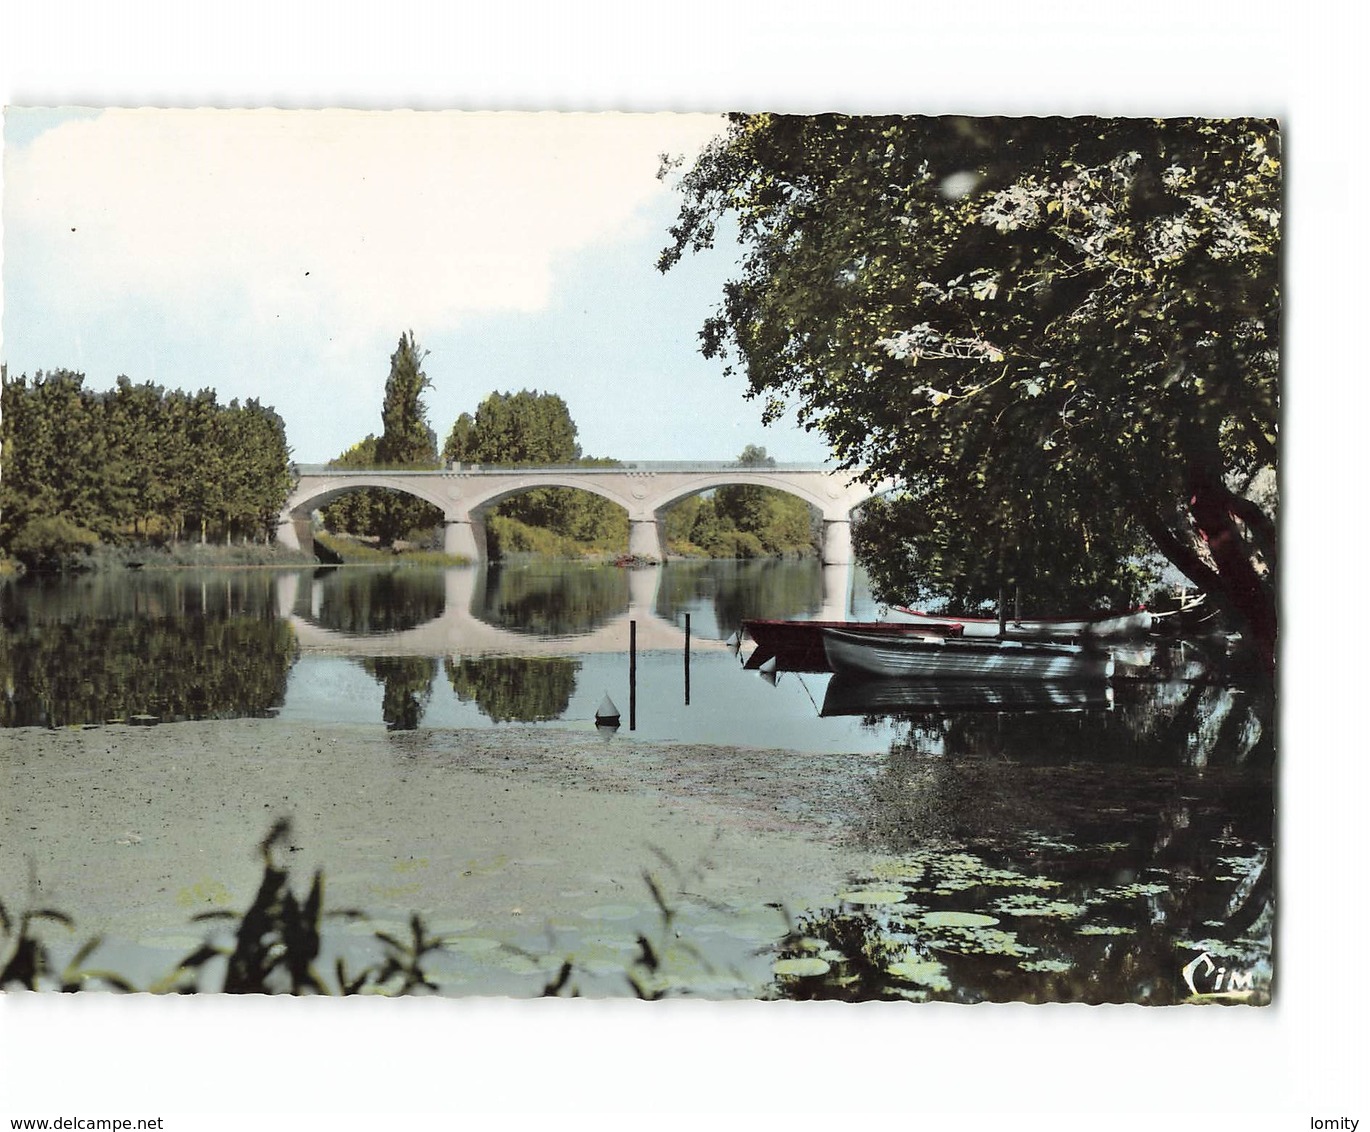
406, 442
744, 520
1060, 335
137, 463
530, 428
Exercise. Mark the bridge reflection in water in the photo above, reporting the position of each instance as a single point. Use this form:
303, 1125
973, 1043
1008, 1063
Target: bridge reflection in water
300, 600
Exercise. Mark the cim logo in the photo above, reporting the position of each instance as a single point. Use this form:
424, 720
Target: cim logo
1206, 977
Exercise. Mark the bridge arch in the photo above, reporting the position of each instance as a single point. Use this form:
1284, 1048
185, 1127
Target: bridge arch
497, 496
294, 525
709, 483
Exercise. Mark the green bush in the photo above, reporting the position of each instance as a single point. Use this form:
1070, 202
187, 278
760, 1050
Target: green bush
727, 543
54, 543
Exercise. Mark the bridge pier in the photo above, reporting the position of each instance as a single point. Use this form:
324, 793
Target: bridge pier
837, 547
837, 586
295, 532
644, 539
464, 538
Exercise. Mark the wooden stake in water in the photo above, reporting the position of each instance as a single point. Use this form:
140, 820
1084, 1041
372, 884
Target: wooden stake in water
687, 660
632, 675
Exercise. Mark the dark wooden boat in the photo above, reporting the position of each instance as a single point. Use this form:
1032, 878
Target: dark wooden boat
888, 655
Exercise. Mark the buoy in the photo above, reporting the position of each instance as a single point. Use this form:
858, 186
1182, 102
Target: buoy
607, 714
734, 641
768, 666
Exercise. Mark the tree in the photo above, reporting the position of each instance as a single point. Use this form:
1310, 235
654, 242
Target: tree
137, 462
1061, 336
406, 441
512, 429
532, 428
355, 512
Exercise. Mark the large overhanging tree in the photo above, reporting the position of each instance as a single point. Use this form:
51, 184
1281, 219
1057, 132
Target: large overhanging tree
1060, 335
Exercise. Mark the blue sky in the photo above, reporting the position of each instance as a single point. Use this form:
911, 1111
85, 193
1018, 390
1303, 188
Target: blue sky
280, 254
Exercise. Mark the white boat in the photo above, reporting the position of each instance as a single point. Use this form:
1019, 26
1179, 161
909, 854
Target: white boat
1135, 623
943, 658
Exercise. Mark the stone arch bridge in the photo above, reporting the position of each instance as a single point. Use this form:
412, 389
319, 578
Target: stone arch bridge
644, 490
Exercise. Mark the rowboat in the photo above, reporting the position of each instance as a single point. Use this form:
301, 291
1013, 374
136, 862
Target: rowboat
797, 646
1135, 623
852, 694
946, 658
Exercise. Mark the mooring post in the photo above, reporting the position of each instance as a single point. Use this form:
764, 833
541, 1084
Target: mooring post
687, 660
632, 675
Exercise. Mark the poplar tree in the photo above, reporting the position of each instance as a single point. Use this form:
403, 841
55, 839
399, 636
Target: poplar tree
406, 441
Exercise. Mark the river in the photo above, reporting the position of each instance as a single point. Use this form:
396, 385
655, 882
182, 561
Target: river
432, 736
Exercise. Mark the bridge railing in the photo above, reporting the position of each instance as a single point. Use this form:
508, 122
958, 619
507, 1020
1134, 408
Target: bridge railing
619, 468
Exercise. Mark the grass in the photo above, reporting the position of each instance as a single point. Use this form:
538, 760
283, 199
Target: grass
354, 552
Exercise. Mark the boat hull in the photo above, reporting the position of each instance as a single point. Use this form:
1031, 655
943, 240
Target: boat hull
913, 656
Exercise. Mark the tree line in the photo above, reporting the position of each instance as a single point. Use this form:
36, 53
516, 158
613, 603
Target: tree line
134, 464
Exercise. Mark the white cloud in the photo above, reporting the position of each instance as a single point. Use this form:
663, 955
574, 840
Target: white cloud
353, 221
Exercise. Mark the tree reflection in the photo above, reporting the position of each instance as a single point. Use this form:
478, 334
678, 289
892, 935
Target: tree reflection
551, 600
774, 588
360, 601
171, 647
408, 684
509, 688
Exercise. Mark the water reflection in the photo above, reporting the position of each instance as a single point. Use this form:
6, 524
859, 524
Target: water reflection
515, 689
1091, 857
159, 646
720, 594
408, 684
545, 599
1031, 843
370, 602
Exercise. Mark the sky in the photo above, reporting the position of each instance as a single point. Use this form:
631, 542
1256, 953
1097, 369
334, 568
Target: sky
201, 311
280, 254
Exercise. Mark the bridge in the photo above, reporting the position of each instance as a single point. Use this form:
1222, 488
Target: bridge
644, 489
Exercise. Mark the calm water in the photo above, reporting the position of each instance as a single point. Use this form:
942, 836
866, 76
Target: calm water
1119, 848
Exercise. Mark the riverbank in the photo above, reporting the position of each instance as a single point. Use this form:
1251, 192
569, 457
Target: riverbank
501, 834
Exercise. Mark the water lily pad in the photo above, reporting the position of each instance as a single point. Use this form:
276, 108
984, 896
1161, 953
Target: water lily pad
1104, 929
1046, 966
873, 896
805, 968
1023, 904
958, 920
925, 972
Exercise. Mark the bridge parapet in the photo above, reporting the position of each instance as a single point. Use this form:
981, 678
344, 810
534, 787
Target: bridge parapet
646, 467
